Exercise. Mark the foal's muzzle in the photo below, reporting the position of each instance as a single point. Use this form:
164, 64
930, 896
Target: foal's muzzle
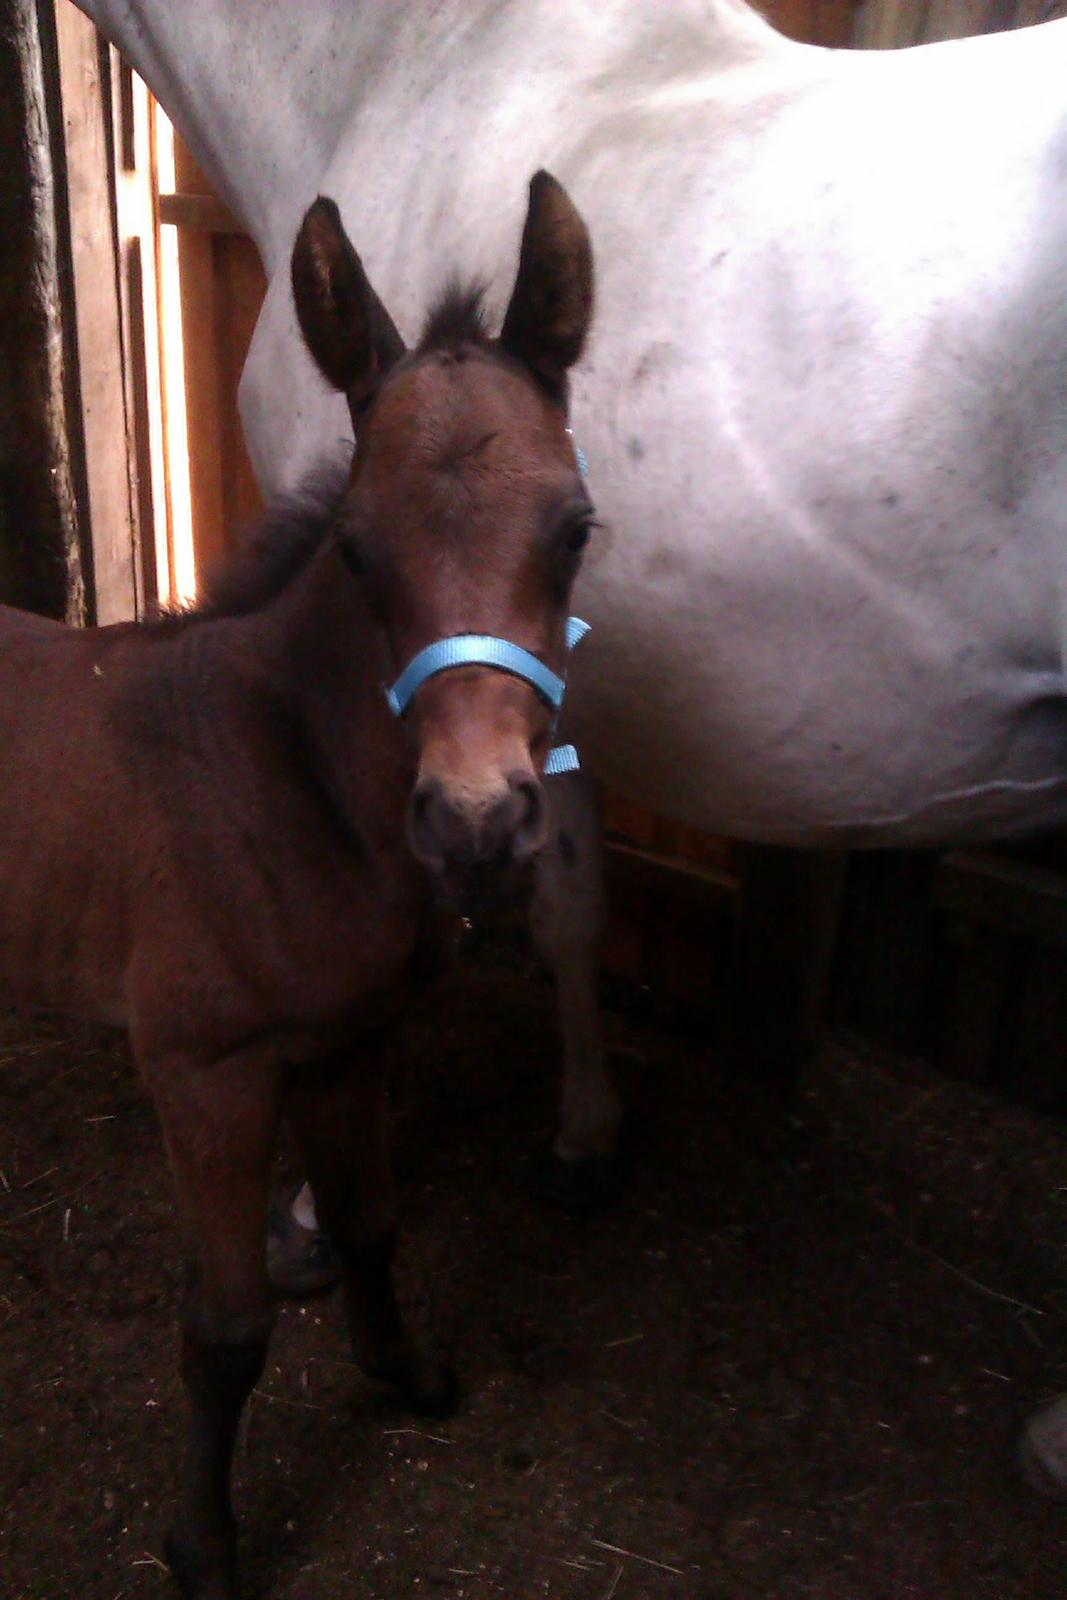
474, 829
461, 836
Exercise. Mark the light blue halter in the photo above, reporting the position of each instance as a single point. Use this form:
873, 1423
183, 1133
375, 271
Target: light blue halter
484, 650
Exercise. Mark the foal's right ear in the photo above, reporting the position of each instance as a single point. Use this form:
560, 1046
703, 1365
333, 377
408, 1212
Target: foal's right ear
345, 326
552, 303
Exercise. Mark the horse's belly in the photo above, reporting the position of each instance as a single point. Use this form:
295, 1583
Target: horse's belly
816, 748
782, 681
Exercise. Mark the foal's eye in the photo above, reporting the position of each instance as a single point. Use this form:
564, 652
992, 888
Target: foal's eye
577, 534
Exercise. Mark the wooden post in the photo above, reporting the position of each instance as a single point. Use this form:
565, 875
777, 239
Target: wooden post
41, 566
85, 87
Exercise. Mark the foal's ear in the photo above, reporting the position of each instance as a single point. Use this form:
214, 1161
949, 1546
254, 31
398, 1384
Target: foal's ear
552, 301
345, 326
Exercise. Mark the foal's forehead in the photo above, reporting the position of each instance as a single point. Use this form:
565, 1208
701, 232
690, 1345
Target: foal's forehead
453, 410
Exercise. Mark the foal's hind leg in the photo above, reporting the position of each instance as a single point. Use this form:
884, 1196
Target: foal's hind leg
567, 923
337, 1110
219, 1123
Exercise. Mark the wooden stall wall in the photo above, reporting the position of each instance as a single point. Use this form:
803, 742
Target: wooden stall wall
882, 24
222, 289
106, 228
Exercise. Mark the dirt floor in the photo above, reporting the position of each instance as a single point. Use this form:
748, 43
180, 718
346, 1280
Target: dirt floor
791, 1360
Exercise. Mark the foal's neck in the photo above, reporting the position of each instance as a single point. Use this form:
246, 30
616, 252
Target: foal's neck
323, 658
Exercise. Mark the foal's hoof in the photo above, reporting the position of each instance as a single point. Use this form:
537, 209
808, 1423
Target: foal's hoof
431, 1388
196, 1577
1043, 1450
300, 1261
581, 1184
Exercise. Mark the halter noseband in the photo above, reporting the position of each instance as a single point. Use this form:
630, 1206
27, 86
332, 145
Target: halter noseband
484, 650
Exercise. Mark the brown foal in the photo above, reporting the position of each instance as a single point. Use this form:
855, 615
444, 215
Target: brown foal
214, 831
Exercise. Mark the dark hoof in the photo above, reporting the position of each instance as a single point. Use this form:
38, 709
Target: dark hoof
300, 1262
582, 1185
1043, 1450
434, 1391
428, 1385
196, 1577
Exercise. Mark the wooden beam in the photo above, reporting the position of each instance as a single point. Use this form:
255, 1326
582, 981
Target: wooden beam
203, 212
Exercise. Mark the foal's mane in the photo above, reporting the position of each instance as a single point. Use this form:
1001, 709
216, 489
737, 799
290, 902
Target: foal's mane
456, 319
278, 545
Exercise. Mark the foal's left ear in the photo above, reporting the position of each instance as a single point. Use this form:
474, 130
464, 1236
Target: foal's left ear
552, 302
345, 326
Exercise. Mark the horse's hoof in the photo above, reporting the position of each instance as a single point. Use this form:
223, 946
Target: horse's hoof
1043, 1450
581, 1184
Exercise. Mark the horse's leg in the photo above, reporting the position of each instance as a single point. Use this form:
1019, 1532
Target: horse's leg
219, 1123
337, 1111
567, 921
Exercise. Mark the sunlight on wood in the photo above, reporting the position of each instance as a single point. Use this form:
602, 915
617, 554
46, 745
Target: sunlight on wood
182, 562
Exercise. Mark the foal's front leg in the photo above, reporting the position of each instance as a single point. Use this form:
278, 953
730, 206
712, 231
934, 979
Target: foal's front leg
567, 922
219, 1123
337, 1111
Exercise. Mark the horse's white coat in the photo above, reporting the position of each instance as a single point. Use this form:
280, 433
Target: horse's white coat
825, 405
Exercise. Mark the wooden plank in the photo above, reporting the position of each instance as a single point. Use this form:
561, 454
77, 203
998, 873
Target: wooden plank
976, 972
222, 290
136, 231
888, 947
85, 89
203, 212
1035, 1069
783, 956
648, 871
889, 24
885, 23
1012, 896
202, 387
203, 413
240, 288
669, 930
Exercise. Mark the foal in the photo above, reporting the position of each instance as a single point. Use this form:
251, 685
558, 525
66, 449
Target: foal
214, 829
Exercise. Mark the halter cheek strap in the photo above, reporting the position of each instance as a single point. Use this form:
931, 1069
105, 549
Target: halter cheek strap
484, 650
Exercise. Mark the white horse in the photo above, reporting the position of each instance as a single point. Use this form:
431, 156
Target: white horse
825, 407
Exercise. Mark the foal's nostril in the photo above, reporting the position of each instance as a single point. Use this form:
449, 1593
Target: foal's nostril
425, 843
530, 830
